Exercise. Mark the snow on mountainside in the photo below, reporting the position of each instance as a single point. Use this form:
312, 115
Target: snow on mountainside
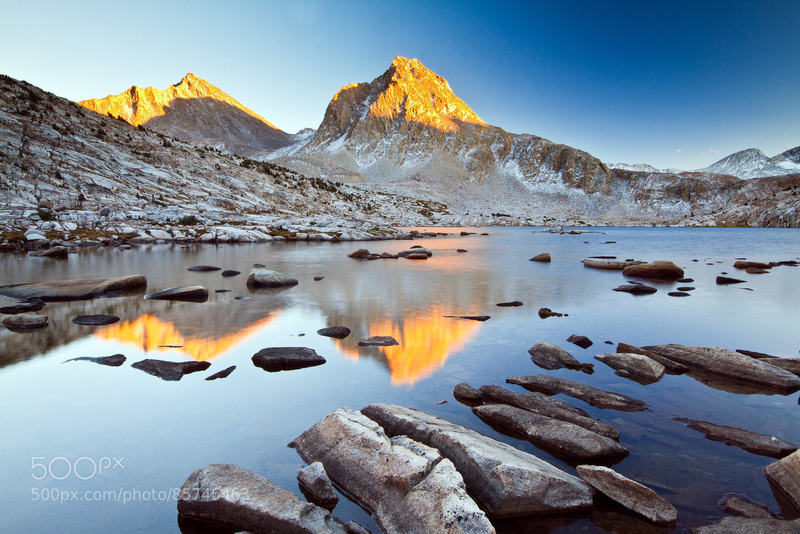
752, 163
641, 167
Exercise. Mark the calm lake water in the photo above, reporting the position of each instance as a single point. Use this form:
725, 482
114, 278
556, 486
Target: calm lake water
161, 431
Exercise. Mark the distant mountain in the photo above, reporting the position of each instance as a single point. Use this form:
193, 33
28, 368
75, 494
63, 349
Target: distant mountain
752, 163
641, 167
197, 112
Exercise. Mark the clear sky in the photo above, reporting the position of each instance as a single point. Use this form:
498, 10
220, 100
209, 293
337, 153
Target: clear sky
672, 83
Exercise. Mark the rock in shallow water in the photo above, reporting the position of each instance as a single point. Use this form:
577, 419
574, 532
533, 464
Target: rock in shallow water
543, 257
469, 317
74, 289
609, 264
315, 482
551, 357
22, 307
204, 268
56, 253
750, 441
378, 341
114, 360
743, 506
629, 493
582, 341
726, 280
338, 332
596, 397
222, 374
544, 313
266, 278
657, 270
186, 293
744, 525
510, 304
170, 371
95, 320
669, 366
636, 289
274, 359
633, 364
228, 273
785, 475
465, 392
25, 322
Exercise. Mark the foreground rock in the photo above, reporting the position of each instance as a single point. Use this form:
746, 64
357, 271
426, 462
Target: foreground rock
114, 360
629, 493
74, 289
274, 359
338, 332
670, 367
170, 371
609, 264
551, 357
785, 475
186, 293
242, 500
743, 506
266, 278
596, 397
24, 322
744, 525
407, 486
315, 482
543, 257
730, 364
95, 320
657, 270
791, 365
222, 374
636, 289
750, 441
465, 392
56, 253
633, 365
506, 482
582, 341
22, 307
544, 405
378, 341
563, 439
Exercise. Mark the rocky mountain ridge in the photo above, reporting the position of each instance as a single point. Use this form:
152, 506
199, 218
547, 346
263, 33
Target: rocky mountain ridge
752, 163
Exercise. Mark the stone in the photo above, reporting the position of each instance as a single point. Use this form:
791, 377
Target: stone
185, 293
751, 265
510, 304
629, 493
551, 357
543, 257
274, 359
338, 332
731, 365
685, 280
791, 365
465, 392
686, 288
95, 320
609, 264
407, 486
657, 270
56, 253
636, 289
785, 476
469, 317
743, 506
417, 256
22, 307
222, 374
756, 270
204, 268
417, 252
170, 371
228, 273
25, 322
461, 250
230, 496
378, 341
544, 313
504, 480
561, 438
745, 525
596, 397
634, 364
582, 341
266, 278
74, 289
115, 360
678, 294
670, 367
315, 483
754, 442
544, 405
318, 278
726, 280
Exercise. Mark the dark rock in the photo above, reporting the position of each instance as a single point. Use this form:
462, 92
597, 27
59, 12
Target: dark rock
56, 253
378, 341
315, 483
510, 304
259, 265
543, 257
753, 354
755, 270
187, 293
686, 288
563, 439
725, 280
657, 270
685, 280
114, 360
544, 313
582, 341
222, 291
387, 256
233, 497
470, 317
743, 506
417, 256
286, 358
754, 442
784, 475
339, 332
204, 268
670, 366
271, 279
318, 278
360, 254
745, 525
227, 273
222, 374
461, 250
596, 397
633, 364
170, 371
678, 294
23, 307
74, 289
636, 289
751, 265
549, 356
602, 257
25, 322
95, 320
629, 493
464, 391
417, 252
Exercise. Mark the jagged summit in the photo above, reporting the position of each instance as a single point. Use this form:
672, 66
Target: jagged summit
753, 163
195, 111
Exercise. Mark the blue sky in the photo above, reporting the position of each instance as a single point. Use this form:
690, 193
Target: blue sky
673, 84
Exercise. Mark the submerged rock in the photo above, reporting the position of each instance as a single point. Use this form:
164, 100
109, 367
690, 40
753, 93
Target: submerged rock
242, 500
754, 442
582, 341
170, 371
204, 268
506, 482
657, 270
785, 476
629, 493
315, 483
730, 364
596, 397
25, 322
378, 341
744, 525
74, 289
469, 317
407, 486
636, 289
632, 364
670, 367
274, 359
266, 278
95, 320
222, 374
543, 257
464, 391
22, 307
549, 356
56, 253
115, 360
743, 506
339, 332
186, 293
563, 439
544, 405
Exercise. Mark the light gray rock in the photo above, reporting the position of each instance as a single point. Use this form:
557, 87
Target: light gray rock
791, 365
504, 480
550, 356
314, 480
415, 251
186, 293
670, 367
407, 489
74, 289
629, 493
378, 341
730, 364
609, 264
785, 475
544, 405
631, 364
563, 439
234, 497
266, 278
596, 397
744, 525
754, 442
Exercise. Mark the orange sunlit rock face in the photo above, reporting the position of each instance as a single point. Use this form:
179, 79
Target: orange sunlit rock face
425, 343
148, 332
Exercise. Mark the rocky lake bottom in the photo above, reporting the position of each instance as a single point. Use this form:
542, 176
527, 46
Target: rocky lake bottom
100, 448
